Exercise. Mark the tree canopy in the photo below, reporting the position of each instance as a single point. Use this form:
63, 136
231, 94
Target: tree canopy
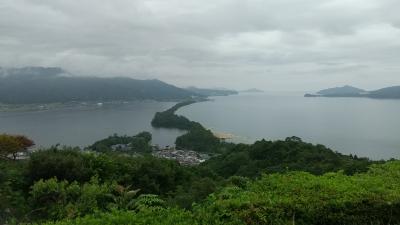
13, 144
139, 143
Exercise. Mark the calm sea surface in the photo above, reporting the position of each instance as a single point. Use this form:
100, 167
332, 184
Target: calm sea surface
81, 126
361, 126
365, 127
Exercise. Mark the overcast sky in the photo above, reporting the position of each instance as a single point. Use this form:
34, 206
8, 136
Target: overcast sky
297, 45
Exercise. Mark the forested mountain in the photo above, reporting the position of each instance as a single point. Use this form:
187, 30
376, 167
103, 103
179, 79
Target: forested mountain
48, 85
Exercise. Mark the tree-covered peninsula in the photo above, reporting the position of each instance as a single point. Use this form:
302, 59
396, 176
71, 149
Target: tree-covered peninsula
197, 137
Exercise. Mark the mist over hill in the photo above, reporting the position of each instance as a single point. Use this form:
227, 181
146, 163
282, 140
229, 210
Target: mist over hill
48, 85
31, 71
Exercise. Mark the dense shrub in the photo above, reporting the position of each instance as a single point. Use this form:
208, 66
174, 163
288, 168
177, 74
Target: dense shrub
53, 199
302, 198
175, 183
146, 217
292, 198
139, 143
13, 203
291, 154
66, 164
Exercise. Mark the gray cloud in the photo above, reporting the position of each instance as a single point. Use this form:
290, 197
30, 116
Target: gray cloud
274, 45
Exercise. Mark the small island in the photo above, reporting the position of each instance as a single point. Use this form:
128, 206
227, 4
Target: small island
350, 91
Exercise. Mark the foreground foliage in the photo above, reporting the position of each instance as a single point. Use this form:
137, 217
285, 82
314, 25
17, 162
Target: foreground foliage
292, 198
68, 183
302, 198
147, 216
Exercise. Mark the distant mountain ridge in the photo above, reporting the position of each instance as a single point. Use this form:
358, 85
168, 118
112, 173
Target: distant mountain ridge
252, 90
49, 85
389, 92
345, 90
349, 91
211, 92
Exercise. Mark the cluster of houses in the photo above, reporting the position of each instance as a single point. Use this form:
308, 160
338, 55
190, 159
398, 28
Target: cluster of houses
184, 157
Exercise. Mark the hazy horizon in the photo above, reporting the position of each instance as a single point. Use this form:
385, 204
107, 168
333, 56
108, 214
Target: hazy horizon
244, 89
304, 45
